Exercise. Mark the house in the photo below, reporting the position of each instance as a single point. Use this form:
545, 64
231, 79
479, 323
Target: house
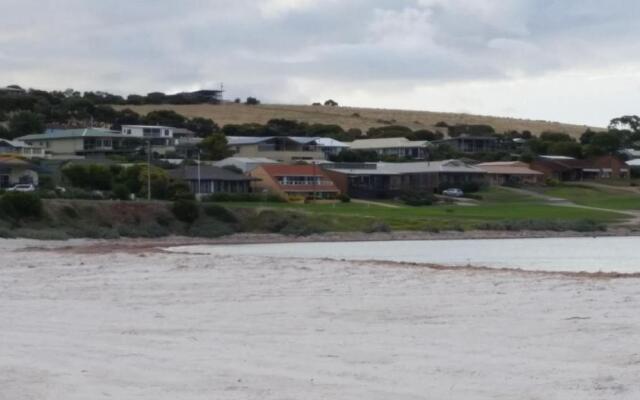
399, 147
79, 143
163, 139
331, 147
204, 96
285, 149
208, 179
471, 144
14, 170
21, 149
571, 169
244, 164
12, 90
390, 180
294, 181
511, 172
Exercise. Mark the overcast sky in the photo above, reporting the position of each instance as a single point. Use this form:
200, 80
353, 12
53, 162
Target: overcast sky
566, 60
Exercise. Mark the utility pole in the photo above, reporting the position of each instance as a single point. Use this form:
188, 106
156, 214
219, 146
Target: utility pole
149, 171
199, 185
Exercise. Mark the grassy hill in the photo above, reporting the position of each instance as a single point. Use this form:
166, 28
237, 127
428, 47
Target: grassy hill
348, 117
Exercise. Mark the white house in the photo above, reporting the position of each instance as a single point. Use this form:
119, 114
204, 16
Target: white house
163, 138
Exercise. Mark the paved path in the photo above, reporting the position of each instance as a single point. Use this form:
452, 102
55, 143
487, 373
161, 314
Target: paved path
374, 203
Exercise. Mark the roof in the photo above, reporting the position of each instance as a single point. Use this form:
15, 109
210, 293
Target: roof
634, 163
246, 140
329, 142
383, 168
207, 172
386, 143
9, 161
15, 143
551, 157
55, 134
508, 168
248, 160
293, 170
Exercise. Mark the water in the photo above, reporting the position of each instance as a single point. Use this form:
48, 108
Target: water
608, 254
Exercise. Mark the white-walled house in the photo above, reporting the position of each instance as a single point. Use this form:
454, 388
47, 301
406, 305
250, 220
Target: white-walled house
15, 170
163, 138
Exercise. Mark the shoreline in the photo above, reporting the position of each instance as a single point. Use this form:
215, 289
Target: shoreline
140, 245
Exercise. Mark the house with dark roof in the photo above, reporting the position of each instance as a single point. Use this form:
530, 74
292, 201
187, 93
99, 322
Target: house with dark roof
511, 172
389, 180
571, 169
280, 148
293, 182
208, 179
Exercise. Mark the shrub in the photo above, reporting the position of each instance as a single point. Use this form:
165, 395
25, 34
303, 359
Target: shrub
186, 210
417, 199
378, 226
551, 182
121, 192
580, 225
470, 187
220, 213
17, 205
344, 198
209, 229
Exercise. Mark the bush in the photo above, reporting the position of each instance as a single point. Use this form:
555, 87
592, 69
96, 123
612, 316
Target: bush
378, 226
418, 199
17, 205
186, 210
580, 225
220, 213
121, 192
470, 187
551, 182
344, 198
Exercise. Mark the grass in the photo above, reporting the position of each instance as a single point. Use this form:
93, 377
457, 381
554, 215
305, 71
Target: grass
497, 205
596, 197
348, 117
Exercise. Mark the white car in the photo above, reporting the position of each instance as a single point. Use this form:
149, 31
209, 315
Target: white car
453, 192
23, 187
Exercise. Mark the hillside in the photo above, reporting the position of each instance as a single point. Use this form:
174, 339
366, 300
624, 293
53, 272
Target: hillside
348, 117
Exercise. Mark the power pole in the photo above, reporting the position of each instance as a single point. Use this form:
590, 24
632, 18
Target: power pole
149, 171
199, 184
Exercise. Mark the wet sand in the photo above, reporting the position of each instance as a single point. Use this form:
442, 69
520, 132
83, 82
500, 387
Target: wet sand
124, 319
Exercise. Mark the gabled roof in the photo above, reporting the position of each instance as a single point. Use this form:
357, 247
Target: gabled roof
207, 172
9, 161
14, 143
246, 140
55, 134
387, 143
329, 142
384, 168
508, 168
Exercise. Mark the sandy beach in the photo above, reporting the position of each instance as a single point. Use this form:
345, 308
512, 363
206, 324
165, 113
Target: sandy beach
125, 320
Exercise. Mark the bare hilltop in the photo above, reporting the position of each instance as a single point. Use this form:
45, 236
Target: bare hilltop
351, 117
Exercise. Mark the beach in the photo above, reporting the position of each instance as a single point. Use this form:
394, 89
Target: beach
125, 319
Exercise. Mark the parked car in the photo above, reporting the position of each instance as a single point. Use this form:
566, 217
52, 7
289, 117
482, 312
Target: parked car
23, 187
453, 192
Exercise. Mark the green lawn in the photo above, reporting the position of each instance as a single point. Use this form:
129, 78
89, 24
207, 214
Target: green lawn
597, 197
497, 205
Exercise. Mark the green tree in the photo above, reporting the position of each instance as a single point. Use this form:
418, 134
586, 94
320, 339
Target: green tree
25, 123
215, 147
165, 118
566, 148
